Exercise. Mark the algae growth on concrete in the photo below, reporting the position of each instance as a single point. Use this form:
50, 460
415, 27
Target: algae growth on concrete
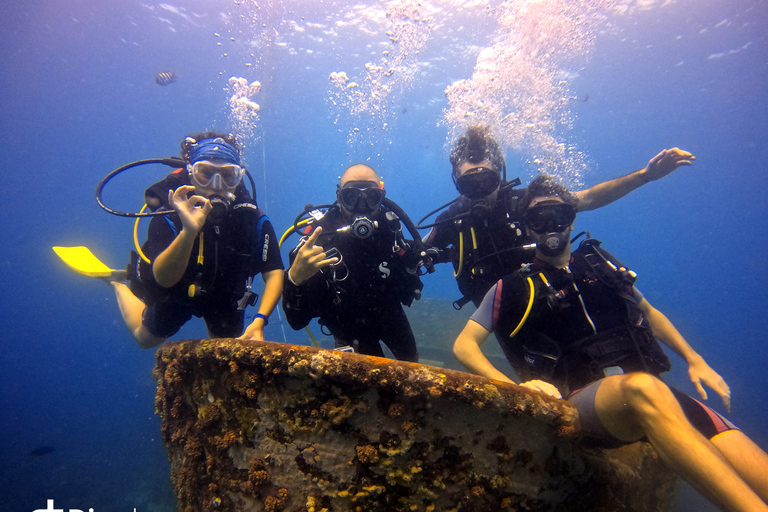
253, 426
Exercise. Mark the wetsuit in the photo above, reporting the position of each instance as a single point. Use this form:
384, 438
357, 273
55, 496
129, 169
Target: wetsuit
360, 299
582, 325
236, 248
495, 249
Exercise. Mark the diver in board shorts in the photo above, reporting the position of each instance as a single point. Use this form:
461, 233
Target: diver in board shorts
572, 324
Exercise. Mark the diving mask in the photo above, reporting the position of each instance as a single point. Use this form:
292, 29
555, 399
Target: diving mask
215, 176
478, 182
549, 217
360, 196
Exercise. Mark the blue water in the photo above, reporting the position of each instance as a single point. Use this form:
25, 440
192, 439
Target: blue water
79, 99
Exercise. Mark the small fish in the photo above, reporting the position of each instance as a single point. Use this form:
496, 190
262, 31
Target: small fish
166, 77
42, 450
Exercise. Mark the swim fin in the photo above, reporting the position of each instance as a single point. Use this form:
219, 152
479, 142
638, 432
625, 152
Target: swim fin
83, 261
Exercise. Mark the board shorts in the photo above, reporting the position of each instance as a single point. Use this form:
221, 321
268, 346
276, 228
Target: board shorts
703, 418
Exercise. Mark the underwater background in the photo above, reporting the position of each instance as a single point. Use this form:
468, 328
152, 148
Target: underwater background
587, 90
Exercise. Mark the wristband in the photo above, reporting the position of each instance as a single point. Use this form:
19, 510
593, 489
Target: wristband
263, 317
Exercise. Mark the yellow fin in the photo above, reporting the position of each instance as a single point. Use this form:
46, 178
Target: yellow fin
83, 261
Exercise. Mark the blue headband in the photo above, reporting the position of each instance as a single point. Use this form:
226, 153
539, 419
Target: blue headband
213, 149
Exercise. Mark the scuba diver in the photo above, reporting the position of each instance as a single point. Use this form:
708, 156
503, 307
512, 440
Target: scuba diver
206, 242
574, 325
482, 232
354, 268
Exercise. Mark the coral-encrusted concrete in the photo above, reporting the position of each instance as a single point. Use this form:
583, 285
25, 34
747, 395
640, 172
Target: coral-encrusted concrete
267, 426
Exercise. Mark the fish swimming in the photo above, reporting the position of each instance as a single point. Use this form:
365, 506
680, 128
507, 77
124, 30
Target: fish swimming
166, 77
42, 450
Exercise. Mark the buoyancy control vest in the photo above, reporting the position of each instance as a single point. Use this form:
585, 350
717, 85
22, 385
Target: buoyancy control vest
224, 257
488, 245
580, 324
379, 268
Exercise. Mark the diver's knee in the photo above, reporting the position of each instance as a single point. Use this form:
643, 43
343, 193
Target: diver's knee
147, 340
644, 391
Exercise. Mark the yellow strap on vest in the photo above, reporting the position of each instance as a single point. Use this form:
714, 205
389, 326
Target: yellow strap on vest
528, 309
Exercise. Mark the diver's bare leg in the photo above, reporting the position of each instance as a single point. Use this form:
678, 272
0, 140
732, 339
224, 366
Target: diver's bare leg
638, 404
132, 308
748, 459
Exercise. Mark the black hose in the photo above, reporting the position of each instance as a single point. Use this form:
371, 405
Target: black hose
446, 205
504, 185
405, 219
170, 161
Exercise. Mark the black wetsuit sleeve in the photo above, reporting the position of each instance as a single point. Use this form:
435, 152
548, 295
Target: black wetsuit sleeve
267, 256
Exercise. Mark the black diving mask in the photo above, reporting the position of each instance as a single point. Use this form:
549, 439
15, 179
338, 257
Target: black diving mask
550, 217
360, 196
478, 182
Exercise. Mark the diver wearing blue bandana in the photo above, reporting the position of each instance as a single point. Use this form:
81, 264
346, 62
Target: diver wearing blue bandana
203, 257
215, 170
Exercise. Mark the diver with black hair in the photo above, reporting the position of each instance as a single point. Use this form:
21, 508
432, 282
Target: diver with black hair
206, 241
354, 269
482, 233
573, 325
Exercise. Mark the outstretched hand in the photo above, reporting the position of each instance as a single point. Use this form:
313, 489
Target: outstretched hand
701, 374
666, 162
254, 332
544, 387
309, 260
192, 210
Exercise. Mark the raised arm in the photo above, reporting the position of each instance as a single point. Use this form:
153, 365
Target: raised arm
609, 191
168, 268
698, 370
